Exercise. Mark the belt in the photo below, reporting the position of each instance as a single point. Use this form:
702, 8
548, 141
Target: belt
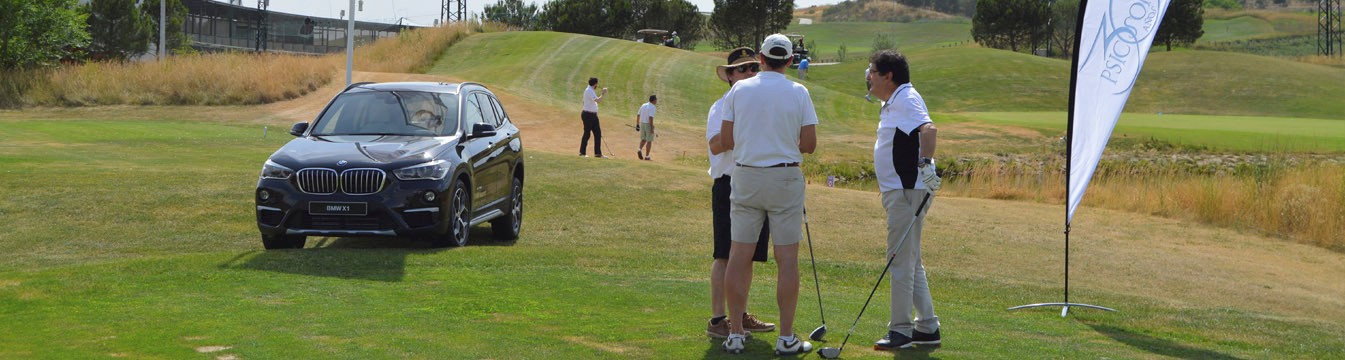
793, 164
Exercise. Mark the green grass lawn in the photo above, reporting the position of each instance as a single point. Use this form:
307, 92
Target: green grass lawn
858, 36
1239, 28
136, 238
1219, 133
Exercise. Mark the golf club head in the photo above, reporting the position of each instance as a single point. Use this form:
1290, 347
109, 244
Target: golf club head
829, 353
818, 333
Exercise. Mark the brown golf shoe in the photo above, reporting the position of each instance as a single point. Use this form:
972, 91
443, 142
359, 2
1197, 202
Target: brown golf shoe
751, 323
721, 331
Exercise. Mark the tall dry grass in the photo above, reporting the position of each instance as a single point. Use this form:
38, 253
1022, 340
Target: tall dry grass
1336, 61
222, 78
1303, 201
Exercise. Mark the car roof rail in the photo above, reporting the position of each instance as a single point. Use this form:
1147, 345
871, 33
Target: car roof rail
353, 85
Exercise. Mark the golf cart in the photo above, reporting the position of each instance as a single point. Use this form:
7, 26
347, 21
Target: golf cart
653, 36
800, 51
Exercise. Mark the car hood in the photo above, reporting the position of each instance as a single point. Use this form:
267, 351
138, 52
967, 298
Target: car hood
362, 150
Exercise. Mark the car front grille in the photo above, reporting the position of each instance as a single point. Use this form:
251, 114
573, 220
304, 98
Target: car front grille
362, 181
323, 181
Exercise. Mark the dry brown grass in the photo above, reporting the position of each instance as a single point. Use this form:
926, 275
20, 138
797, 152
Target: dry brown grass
1304, 202
1336, 61
223, 78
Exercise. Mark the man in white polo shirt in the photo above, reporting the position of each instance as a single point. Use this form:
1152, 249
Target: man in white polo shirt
644, 123
903, 158
742, 64
590, 117
772, 123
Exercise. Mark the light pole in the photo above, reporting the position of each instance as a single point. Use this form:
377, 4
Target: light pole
163, 20
350, 39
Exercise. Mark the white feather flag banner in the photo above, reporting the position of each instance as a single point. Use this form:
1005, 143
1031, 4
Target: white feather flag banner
1113, 42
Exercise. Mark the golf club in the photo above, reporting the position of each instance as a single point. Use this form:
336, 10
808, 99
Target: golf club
820, 331
833, 353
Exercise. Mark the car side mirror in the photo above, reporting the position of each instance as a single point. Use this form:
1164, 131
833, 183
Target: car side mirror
299, 128
480, 130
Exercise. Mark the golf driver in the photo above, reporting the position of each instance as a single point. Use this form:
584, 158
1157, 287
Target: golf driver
833, 353
820, 331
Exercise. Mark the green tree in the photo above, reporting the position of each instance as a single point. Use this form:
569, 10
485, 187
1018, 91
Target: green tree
747, 22
610, 18
672, 15
1064, 22
40, 32
119, 30
178, 42
1182, 24
1010, 24
514, 13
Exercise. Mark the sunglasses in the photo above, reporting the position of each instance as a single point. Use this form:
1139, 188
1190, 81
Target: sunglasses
748, 68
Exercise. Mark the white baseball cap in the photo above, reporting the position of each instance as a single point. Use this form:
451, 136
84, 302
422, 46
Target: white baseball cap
777, 47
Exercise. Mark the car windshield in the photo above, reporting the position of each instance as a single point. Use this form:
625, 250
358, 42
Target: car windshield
387, 113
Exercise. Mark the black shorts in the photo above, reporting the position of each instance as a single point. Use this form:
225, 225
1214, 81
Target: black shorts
720, 205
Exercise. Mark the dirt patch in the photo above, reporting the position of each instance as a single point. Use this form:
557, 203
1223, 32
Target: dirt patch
611, 348
210, 349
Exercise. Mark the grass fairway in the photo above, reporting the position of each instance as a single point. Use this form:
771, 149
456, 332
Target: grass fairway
1222, 133
135, 238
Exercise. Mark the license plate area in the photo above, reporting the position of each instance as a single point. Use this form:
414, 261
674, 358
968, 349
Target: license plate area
338, 208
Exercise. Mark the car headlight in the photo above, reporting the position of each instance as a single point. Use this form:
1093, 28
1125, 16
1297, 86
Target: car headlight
434, 170
272, 170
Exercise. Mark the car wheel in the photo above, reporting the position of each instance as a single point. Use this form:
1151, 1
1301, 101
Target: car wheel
508, 226
276, 242
460, 217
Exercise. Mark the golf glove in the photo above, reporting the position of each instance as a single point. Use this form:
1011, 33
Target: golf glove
637, 127
930, 178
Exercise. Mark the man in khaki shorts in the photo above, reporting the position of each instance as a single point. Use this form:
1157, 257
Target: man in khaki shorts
773, 123
644, 123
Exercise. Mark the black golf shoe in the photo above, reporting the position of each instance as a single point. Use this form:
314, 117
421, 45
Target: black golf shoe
893, 341
921, 338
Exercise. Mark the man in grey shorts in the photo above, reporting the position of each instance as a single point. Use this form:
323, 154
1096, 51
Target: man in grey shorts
773, 123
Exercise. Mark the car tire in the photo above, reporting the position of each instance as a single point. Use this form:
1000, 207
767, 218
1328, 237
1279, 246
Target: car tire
508, 227
459, 219
277, 242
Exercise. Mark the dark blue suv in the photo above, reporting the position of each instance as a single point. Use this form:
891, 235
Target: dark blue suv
422, 160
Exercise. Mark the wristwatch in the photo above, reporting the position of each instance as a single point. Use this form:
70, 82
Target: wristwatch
925, 161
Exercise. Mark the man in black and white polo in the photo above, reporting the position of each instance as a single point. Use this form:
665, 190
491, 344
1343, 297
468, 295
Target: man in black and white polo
772, 123
903, 158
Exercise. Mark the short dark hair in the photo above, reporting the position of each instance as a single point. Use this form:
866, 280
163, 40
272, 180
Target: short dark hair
776, 63
888, 61
653, 98
592, 81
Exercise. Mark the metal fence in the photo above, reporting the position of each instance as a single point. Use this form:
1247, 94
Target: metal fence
218, 26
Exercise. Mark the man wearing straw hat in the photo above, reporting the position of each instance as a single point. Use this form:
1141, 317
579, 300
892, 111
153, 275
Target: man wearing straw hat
742, 64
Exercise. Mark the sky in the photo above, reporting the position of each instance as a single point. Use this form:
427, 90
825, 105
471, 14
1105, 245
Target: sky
421, 12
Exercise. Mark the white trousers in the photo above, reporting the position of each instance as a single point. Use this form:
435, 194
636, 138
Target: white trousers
910, 288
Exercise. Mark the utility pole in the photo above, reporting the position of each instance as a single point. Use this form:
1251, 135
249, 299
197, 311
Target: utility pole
263, 23
350, 42
452, 11
1328, 28
163, 21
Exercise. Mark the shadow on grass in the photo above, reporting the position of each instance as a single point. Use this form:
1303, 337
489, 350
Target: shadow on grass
371, 258
1158, 346
763, 347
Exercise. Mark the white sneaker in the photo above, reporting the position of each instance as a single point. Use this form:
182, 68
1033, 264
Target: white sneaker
734, 344
791, 346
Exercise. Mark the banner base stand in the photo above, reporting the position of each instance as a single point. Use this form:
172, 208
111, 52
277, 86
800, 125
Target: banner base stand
1064, 307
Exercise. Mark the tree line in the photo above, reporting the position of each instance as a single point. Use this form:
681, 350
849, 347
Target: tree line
733, 23
35, 33
1049, 26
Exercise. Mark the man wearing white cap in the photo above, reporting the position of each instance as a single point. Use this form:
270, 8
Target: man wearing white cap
772, 123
